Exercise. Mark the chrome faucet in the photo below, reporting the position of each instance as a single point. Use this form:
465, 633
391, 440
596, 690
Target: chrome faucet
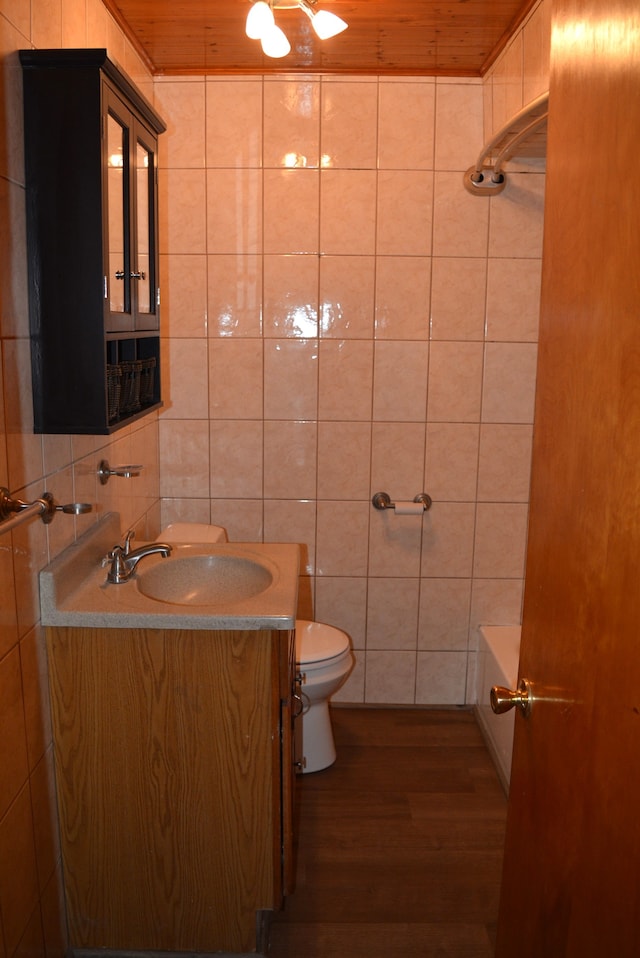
123, 560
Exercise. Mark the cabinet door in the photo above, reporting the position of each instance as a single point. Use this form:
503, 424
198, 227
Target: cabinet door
130, 223
145, 229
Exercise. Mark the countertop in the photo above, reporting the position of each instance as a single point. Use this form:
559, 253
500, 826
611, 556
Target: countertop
74, 590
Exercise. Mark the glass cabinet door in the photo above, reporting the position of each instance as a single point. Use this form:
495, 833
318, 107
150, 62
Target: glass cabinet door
130, 283
119, 266
143, 274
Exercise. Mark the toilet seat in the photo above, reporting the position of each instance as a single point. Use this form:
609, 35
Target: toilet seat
319, 643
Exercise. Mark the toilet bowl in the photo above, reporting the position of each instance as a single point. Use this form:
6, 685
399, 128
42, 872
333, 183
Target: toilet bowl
323, 661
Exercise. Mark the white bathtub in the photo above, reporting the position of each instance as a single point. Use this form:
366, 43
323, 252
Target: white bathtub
498, 657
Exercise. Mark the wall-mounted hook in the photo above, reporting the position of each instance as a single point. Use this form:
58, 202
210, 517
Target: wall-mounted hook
105, 471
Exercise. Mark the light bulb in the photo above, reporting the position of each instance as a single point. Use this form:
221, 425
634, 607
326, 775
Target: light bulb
274, 42
259, 20
327, 24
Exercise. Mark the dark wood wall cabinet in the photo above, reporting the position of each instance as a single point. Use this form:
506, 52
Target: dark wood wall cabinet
92, 239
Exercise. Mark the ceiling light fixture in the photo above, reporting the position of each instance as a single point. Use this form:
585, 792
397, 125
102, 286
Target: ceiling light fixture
261, 24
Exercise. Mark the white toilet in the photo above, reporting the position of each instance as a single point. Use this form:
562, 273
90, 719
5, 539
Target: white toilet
323, 662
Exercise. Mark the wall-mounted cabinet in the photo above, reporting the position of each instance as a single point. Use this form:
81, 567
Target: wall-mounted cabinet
92, 239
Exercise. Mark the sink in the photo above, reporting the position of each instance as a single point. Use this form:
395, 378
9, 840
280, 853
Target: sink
203, 579
202, 585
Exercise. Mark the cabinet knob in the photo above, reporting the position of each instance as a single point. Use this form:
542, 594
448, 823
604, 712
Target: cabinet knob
119, 274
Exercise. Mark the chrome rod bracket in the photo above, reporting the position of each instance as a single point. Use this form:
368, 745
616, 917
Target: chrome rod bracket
13, 512
105, 471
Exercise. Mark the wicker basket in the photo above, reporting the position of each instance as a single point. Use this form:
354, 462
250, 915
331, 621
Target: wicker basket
114, 388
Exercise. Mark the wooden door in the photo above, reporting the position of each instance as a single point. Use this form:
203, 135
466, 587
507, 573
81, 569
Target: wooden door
572, 857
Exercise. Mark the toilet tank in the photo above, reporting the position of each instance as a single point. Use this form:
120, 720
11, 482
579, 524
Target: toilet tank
193, 532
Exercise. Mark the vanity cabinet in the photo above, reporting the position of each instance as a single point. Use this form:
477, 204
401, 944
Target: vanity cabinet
174, 777
91, 142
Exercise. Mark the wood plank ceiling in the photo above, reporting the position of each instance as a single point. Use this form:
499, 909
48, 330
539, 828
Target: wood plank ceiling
408, 37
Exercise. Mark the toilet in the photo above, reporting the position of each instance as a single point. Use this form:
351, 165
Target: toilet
323, 662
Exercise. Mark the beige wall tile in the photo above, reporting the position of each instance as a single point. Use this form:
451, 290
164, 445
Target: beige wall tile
400, 381
460, 222
291, 204
444, 614
184, 454
508, 393
458, 298
344, 460
182, 105
451, 463
501, 530
392, 614
345, 380
406, 105
504, 465
341, 545
441, 678
513, 299
235, 378
404, 213
403, 285
185, 379
348, 132
347, 289
292, 122
455, 382
394, 543
291, 379
236, 450
233, 213
291, 296
290, 460
459, 126
234, 122
183, 286
234, 295
390, 677
347, 212
291, 520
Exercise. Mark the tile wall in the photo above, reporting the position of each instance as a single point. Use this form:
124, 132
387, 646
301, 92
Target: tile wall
342, 317
31, 908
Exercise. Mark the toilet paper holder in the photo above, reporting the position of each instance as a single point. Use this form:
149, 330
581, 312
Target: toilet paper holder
382, 500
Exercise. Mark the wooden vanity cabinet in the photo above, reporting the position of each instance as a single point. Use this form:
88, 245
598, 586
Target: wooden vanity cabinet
91, 143
174, 778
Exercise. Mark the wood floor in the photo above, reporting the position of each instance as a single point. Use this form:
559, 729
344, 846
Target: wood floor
400, 842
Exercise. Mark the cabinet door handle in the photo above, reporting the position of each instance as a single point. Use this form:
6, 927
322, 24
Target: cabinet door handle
137, 275
119, 274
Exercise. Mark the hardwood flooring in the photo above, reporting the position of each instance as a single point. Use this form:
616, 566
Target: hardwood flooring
400, 842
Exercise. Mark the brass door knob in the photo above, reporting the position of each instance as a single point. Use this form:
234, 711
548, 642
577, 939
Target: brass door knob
504, 699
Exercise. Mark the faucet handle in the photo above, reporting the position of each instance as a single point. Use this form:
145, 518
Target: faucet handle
131, 534
112, 556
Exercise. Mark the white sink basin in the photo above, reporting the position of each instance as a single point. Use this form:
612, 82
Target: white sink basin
203, 579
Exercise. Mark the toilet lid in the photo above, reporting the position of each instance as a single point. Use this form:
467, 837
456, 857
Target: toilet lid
317, 642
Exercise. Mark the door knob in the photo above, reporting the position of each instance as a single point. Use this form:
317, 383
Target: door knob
504, 699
